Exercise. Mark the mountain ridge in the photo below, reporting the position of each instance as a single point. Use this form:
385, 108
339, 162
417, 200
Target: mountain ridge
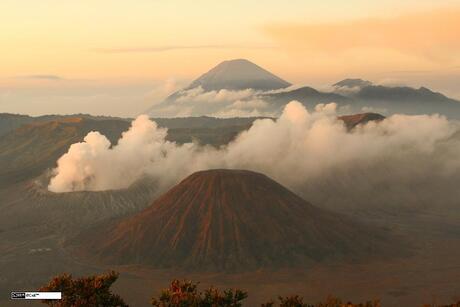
352, 83
353, 94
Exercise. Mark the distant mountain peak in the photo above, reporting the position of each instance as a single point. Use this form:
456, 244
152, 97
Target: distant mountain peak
241, 61
239, 74
351, 83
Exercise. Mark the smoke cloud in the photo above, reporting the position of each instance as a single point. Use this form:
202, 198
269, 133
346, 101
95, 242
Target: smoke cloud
222, 103
398, 160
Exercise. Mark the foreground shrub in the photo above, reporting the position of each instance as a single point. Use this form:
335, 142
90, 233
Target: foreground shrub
85, 291
185, 293
94, 291
451, 305
297, 301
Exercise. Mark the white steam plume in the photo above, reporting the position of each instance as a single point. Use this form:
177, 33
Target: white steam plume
312, 153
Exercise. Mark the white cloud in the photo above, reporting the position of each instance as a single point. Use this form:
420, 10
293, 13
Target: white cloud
198, 94
309, 152
221, 103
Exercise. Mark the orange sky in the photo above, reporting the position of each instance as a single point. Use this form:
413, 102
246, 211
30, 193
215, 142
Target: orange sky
76, 49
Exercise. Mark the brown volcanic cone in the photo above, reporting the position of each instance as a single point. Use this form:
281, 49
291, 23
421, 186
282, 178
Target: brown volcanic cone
351, 121
232, 219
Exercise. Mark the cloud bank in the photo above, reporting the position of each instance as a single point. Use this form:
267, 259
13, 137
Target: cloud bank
43, 77
399, 160
178, 47
222, 103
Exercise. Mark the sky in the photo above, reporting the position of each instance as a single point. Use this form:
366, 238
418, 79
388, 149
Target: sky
117, 57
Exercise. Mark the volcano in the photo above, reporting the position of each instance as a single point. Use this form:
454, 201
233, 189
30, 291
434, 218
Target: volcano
231, 75
239, 74
351, 121
232, 220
